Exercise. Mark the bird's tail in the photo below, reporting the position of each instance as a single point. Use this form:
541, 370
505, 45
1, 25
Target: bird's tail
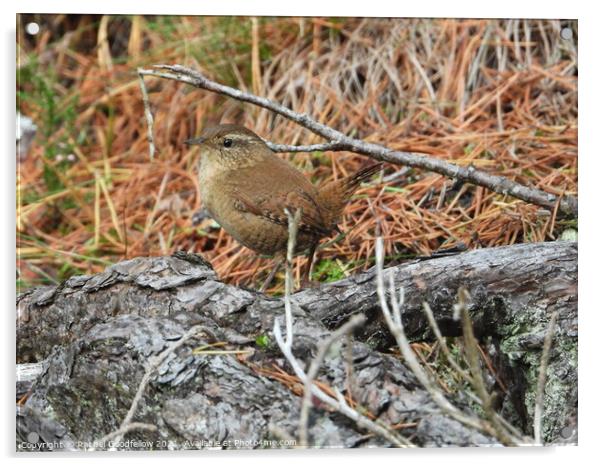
335, 194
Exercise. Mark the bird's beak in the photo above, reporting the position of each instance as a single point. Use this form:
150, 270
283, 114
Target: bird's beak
195, 141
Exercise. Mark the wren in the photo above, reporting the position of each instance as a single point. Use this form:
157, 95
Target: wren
245, 187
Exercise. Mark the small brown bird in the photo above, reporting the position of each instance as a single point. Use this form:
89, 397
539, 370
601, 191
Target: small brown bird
246, 187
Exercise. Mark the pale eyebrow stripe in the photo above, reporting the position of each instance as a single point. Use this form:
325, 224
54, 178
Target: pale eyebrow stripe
239, 137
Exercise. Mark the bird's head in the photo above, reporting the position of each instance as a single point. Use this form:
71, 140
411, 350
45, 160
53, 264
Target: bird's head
229, 145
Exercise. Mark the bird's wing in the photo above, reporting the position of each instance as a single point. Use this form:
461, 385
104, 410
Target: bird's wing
272, 209
269, 194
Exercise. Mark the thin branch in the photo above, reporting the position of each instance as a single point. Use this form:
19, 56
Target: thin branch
541, 380
354, 322
309, 387
327, 146
293, 226
395, 325
349, 371
286, 348
406, 350
498, 184
148, 114
466, 376
478, 383
340, 404
435, 328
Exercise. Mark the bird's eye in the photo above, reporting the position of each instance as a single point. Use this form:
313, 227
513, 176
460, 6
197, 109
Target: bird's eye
227, 142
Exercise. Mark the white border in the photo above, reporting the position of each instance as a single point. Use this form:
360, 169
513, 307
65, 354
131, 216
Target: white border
590, 308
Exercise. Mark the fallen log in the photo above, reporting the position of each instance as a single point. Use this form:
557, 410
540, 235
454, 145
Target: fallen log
97, 333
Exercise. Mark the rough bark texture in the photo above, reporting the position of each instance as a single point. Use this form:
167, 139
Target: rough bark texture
514, 291
96, 334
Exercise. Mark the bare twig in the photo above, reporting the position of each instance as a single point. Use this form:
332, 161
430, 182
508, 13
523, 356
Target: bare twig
541, 380
309, 387
332, 146
466, 376
293, 226
435, 328
349, 372
339, 404
395, 325
494, 425
354, 322
341, 141
478, 383
148, 114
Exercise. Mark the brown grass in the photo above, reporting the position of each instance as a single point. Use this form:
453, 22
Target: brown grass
501, 95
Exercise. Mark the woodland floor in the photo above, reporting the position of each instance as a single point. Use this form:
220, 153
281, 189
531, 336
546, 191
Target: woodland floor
500, 95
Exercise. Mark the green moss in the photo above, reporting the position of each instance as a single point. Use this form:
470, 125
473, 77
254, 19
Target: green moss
263, 341
328, 271
570, 234
528, 360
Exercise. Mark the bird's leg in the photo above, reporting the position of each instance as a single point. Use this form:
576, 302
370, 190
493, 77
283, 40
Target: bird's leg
305, 281
278, 260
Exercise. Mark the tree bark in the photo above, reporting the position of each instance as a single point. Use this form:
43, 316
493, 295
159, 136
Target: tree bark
95, 335
514, 290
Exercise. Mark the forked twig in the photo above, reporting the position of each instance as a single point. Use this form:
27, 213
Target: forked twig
442, 344
310, 388
492, 426
478, 382
354, 322
339, 404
